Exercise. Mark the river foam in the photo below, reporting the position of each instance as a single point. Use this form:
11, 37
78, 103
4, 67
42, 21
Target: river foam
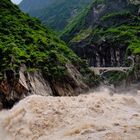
94, 116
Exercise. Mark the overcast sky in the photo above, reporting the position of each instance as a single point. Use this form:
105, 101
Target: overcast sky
16, 1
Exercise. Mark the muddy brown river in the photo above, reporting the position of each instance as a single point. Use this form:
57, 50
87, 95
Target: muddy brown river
93, 116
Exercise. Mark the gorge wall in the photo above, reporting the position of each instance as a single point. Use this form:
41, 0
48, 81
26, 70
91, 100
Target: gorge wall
33, 83
34, 61
106, 32
101, 56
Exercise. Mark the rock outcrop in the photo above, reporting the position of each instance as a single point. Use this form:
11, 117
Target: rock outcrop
71, 85
13, 90
106, 32
103, 55
33, 83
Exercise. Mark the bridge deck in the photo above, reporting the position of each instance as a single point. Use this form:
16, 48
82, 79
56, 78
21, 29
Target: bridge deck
100, 70
109, 68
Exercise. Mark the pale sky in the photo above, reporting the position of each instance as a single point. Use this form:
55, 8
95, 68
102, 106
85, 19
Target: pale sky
16, 1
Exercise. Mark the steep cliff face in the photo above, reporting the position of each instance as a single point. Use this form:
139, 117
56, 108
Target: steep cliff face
33, 60
34, 83
54, 13
106, 32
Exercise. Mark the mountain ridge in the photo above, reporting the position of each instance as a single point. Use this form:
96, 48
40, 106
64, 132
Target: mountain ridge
34, 60
106, 34
55, 14
103, 17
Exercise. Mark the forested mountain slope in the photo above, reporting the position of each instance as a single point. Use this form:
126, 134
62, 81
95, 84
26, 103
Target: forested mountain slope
33, 60
54, 13
106, 32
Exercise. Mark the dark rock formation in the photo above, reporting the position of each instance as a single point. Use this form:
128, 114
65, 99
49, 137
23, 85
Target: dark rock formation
13, 90
105, 32
101, 56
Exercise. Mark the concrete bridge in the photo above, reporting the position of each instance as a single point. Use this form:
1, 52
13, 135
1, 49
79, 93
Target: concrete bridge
102, 70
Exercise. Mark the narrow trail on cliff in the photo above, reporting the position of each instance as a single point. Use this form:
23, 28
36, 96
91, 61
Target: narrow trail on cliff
93, 116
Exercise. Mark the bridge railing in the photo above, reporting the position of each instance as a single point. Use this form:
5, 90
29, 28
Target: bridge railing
122, 69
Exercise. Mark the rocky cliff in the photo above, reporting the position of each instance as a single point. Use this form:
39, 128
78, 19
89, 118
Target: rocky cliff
106, 32
34, 61
29, 83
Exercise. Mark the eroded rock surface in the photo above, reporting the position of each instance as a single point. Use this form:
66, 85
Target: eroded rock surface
34, 83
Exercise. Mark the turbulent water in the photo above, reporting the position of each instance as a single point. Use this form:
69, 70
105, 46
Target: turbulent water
94, 116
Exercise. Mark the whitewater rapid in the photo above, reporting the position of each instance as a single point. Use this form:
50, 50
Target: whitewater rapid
93, 116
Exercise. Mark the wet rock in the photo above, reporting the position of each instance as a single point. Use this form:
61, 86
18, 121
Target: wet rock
12, 89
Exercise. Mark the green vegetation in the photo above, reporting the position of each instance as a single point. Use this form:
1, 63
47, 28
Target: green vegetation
24, 40
104, 31
76, 25
120, 34
54, 13
115, 78
83, 34
117, 26
81, 22
135, 47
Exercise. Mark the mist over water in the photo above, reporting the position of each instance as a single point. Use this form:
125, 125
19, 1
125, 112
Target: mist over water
98, 115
